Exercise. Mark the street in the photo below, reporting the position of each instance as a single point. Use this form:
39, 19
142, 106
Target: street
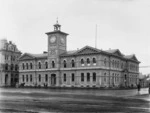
29, 100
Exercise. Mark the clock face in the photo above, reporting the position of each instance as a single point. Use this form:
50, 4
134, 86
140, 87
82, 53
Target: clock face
62, 40
53, 39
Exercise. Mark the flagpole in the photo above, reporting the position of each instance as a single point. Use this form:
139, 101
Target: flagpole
96, 36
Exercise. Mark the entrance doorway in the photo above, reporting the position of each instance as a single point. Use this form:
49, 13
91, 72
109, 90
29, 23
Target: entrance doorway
53, 79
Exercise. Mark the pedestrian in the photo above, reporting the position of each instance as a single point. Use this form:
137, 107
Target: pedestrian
149, 88
139, 87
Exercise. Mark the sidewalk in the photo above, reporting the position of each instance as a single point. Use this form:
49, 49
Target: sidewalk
141, 96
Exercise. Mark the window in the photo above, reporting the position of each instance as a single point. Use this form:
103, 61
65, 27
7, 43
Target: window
30, 65
118, 64
73, 63
30, 78
72, 77
39, 78
113, 63
64, 77
16, 67
26, 78
23, 78
6, 66
39, 65
46, 77
12, 66
27, 65
82, 77
105, 62
88, 77
22, 65
88, 61
65, 64
46, 65
94, 77
53, 64
82, 62
121, 65
94, 61
104, 77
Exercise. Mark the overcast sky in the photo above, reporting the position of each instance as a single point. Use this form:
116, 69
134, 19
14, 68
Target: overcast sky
122, 24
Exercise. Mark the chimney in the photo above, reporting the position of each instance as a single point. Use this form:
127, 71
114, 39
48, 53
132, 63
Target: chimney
44, 52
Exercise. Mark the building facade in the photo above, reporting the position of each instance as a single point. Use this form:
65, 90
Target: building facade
9, 69
86, 67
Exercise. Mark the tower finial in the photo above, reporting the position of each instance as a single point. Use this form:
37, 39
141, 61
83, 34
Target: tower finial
57, 20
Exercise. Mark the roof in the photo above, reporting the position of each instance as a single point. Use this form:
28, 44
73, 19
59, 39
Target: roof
69, 52
28, 56
39, 55
53, 32
111, 50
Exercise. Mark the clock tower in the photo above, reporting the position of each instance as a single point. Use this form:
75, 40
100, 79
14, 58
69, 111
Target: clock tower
56, 45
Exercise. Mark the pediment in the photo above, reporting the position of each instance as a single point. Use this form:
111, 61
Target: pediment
87, 50
26, 57
134, 58
118, 53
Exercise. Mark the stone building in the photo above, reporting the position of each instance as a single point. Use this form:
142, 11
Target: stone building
9, 69
86, 67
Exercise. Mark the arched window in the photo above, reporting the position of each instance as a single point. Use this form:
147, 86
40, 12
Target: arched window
73, 63
31, 66
46, 65
94, 60
94, 76
65, 64
27, 65
22, 65
12, 66
53, 64
82, 62
88, 77
39, 65
6, 66
88, 61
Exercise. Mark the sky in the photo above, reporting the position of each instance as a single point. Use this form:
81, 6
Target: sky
121, 24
